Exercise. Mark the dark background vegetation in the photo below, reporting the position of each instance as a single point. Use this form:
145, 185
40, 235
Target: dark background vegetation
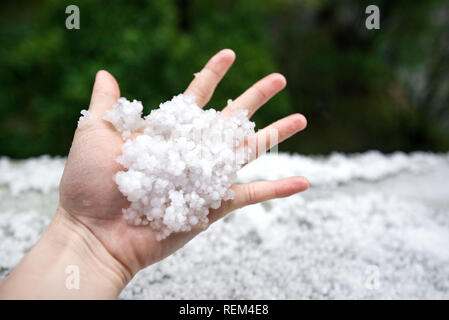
361, 89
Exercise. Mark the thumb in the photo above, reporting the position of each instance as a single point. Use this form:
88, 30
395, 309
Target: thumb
104, 94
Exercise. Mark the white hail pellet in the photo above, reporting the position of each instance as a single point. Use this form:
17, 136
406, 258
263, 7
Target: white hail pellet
85, 116
182, 164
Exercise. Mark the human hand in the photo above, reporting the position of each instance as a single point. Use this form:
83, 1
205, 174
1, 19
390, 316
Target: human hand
89, 195
90, 209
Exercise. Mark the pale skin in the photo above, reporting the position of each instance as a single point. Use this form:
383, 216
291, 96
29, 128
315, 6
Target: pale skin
88, 230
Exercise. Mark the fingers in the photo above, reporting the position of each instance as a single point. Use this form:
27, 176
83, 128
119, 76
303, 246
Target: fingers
257, 95
255, 192
275, 133
205, 82
104, 94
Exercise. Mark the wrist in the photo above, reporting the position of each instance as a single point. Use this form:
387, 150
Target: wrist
101, 269
68, 262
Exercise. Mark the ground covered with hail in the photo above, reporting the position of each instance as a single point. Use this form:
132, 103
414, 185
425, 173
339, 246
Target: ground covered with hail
370, 226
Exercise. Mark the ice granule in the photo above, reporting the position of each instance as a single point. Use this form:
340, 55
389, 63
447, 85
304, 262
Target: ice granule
85, 116
126, 116
181, 165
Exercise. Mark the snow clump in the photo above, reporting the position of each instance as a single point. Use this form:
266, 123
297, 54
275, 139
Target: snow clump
126, 116
182, 164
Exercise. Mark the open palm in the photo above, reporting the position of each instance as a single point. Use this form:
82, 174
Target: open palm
89, 195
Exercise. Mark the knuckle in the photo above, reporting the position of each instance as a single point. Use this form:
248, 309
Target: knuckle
200, 93
276, 192
260, 93
251, 194
213, 73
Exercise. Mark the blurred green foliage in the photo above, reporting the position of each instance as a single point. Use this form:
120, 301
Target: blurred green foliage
360, 89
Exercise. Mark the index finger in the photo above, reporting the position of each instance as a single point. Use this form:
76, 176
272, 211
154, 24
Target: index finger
205, 81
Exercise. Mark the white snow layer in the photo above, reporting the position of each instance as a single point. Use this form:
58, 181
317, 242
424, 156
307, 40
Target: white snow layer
371, 226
